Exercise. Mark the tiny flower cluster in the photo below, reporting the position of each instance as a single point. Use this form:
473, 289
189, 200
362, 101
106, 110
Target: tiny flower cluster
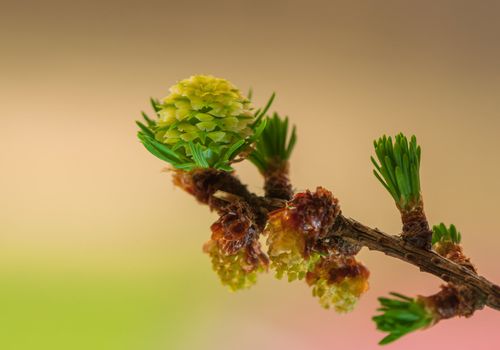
294, 230
234, 247
295, 239
286, 247
338, 281
234, 270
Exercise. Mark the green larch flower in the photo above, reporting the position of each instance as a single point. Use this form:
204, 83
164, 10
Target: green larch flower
341, 296
338, 281
294, 230
233, 270
204, 122
204, 108
287, 245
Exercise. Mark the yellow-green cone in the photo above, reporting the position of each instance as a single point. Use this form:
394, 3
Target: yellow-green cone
206, 110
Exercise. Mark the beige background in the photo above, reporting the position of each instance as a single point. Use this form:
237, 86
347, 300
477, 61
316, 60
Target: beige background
79, 194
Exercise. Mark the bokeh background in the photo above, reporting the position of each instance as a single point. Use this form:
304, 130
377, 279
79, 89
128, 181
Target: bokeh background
98, 250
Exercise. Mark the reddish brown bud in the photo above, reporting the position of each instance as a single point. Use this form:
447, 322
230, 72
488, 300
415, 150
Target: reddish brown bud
454, 252
314, 213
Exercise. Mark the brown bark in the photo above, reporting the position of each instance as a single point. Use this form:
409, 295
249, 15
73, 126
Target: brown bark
425, 260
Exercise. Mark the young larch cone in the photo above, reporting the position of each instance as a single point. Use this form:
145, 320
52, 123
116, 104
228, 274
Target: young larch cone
205, 109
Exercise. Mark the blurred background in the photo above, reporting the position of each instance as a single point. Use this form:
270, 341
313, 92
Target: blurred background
98, 250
